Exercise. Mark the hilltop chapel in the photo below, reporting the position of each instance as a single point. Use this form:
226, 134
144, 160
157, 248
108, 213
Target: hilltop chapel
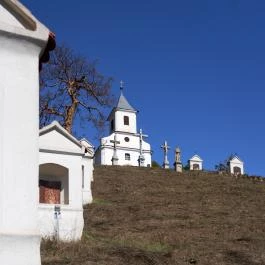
124, 145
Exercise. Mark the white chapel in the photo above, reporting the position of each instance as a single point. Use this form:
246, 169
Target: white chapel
65, 176
125, 145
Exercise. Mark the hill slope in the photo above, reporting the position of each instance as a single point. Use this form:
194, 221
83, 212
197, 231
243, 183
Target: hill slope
153, 216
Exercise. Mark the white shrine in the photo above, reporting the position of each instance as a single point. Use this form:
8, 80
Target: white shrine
23, 43
124, 145
236, 165
65, 175
195, 163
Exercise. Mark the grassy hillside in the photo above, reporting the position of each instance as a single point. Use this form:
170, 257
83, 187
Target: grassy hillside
152, 216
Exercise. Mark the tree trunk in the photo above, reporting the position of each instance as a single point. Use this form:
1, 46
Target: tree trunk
69, 119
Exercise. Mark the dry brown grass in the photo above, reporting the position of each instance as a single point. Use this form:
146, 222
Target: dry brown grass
152, 216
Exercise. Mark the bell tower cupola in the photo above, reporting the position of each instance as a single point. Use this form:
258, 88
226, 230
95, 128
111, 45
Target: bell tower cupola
123, 117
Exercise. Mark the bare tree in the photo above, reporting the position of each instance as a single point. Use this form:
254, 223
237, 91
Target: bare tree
71, 87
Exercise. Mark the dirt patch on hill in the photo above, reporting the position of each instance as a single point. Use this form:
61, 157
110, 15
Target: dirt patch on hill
153, 216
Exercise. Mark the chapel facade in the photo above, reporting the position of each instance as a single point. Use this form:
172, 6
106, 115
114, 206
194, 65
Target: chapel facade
65, 176
125, 145
195, 163
236, 165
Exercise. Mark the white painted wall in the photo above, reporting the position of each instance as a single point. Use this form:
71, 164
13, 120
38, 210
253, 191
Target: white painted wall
73, 157
87, 162
70, 222
20, 49
71, 219
54, 141
119, 122
105, 152
195, 160
235, 162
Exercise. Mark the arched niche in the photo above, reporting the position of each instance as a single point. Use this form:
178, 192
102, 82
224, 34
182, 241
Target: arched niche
53, 184
237, 170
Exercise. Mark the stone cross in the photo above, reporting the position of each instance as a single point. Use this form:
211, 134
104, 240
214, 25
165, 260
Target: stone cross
115, 158
165, 147
141, 156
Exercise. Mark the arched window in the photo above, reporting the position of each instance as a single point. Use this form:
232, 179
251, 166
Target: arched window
237, 170
53, 184
196, 167
126, 120
127, 157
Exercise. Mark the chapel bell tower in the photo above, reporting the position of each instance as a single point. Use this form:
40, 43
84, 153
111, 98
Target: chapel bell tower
123, 117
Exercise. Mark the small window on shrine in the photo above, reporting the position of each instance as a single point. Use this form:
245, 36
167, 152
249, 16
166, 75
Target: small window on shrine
196, 167
127, 157
127, 139
126, 120
83, 177
237, 170
112, 125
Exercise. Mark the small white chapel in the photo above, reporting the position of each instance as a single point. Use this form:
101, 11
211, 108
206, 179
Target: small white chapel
65, 176
236, 165
195, 163
125, 145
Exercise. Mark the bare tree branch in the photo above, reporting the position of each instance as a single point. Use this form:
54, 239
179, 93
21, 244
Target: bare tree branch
70, 85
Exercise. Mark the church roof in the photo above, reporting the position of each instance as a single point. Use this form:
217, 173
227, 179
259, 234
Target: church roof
123, 104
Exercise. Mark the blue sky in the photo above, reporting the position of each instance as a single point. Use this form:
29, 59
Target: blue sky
194, 69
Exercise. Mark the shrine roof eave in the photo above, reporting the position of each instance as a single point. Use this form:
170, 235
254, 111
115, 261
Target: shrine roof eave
55, 125
31, 27
235, 157
51, 45
196, 158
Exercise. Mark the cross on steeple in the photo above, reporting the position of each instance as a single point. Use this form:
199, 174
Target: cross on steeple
121, 85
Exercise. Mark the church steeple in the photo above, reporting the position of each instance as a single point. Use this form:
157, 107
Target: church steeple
123, 103
123, 117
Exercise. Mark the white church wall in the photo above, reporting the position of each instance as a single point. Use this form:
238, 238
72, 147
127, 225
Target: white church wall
123, 128
106, 156
119, 119
131, 147
134, 156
